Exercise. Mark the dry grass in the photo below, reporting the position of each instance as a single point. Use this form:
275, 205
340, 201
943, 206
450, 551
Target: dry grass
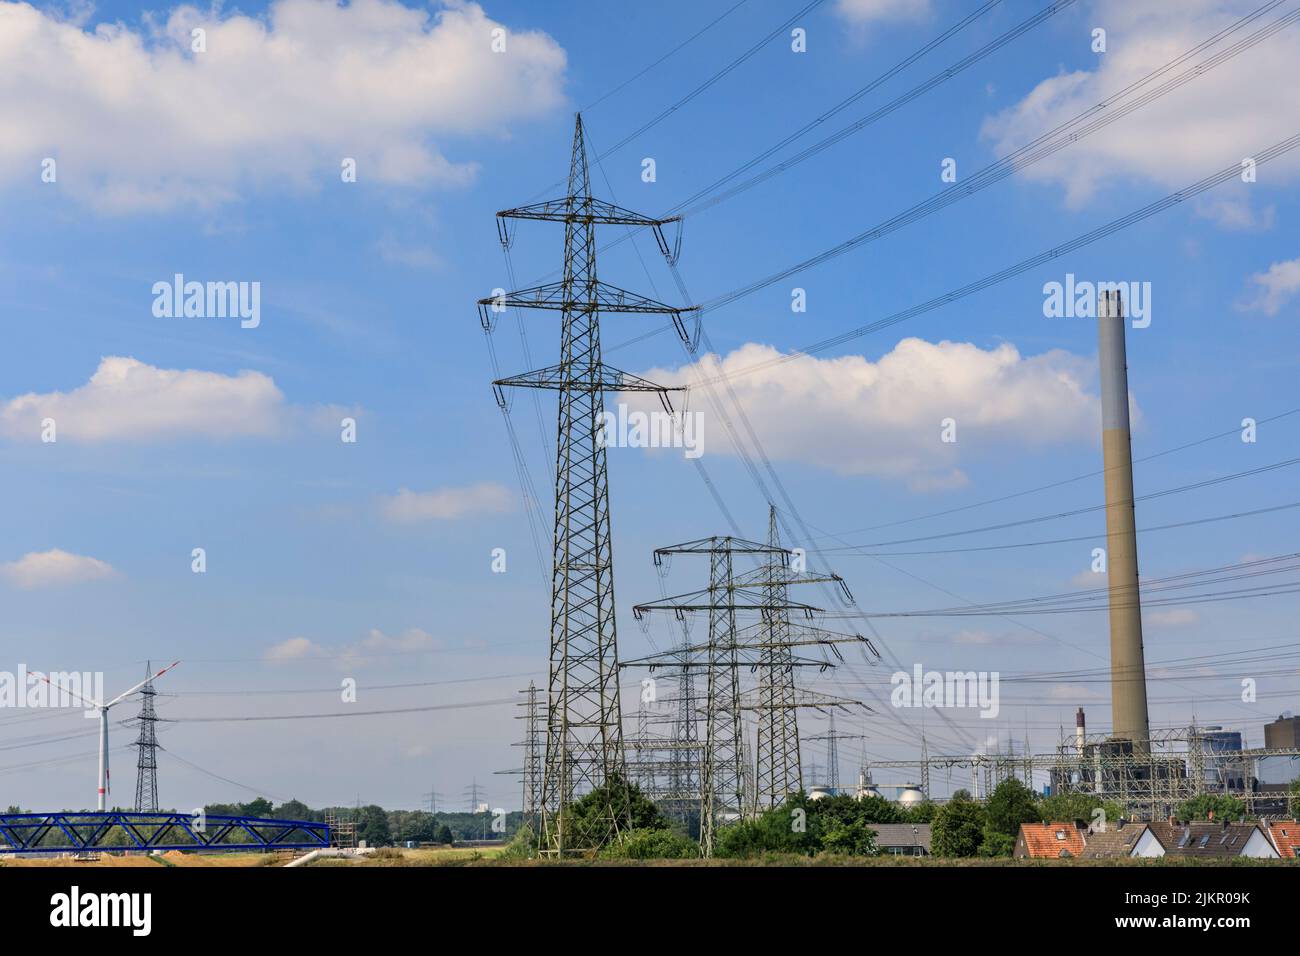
172, 857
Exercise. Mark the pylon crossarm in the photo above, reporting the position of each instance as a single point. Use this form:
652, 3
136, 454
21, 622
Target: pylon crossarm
655, 661
718, 545
603, 297
740, 599
583, 209
577, 379
763, 577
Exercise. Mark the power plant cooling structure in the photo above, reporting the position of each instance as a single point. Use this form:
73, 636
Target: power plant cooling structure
1128, 687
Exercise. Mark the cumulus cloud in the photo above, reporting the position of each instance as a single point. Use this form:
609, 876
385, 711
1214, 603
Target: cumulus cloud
1245, 105
862, 12
128, 400
884, 418
39, 569
444, 504
137, 120
1275, 287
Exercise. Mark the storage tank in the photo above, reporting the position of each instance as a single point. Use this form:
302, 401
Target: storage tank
911, 795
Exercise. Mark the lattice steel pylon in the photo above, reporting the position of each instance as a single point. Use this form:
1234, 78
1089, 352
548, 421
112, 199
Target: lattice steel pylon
584, 737
534, 715
146, 766
779, 771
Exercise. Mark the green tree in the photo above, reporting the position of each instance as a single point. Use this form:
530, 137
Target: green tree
854, 838
261, 807
1293, 800
616, 805
373, 826
793, 827
922, 812
1010, 804
444, 835
1221, 805
877, 810
958, 828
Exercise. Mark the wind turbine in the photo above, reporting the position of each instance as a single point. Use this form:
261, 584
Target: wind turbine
103, 722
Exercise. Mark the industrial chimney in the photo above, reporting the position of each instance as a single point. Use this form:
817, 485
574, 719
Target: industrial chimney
1128, 687
1080, 731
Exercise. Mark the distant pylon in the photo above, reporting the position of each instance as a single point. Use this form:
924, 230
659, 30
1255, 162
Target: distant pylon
533, 721
584, 735
146, 767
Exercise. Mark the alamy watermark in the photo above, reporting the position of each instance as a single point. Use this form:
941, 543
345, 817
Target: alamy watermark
935, 689
208, 300
27, 688
1078, 300
656, 429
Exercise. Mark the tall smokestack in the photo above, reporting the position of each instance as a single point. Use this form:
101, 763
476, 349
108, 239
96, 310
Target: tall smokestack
1128, 687
1080, 731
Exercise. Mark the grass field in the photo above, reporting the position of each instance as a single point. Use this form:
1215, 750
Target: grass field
489, 856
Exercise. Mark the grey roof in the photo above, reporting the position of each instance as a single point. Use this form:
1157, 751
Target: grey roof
1203, 839
902, 834
1113, 842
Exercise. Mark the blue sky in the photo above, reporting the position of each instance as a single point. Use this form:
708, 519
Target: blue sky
226, 438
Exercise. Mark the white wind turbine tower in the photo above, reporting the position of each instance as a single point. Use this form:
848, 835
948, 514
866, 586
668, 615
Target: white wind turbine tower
103, 723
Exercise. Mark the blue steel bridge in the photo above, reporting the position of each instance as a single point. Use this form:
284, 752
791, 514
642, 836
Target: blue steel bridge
123, 830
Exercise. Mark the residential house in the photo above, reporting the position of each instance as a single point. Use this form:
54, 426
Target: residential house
903, 839
1122, 840
1215, 840
1049, 841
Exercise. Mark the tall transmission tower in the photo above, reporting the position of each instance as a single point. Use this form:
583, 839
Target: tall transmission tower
584, 737
146, 766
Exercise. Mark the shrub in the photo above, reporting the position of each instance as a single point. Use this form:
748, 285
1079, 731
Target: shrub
650, 845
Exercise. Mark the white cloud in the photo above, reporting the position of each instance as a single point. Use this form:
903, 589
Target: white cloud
883, 418
1276, 287
39, 569
1089, 579
128, 400
138, 121
442, 504
375, 644
1244, 105
293, 649
1175, 617
860, 12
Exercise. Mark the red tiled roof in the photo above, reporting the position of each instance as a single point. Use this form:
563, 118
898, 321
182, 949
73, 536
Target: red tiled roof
1050, 841
1286, 837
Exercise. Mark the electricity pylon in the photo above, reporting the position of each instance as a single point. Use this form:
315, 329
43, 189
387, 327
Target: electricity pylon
584, 737
103, 708
832, 739
765, 646
722, 773
534, 715
146, 765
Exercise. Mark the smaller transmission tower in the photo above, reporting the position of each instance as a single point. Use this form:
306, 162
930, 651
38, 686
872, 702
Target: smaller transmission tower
832, 739
146, 743
534, 720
